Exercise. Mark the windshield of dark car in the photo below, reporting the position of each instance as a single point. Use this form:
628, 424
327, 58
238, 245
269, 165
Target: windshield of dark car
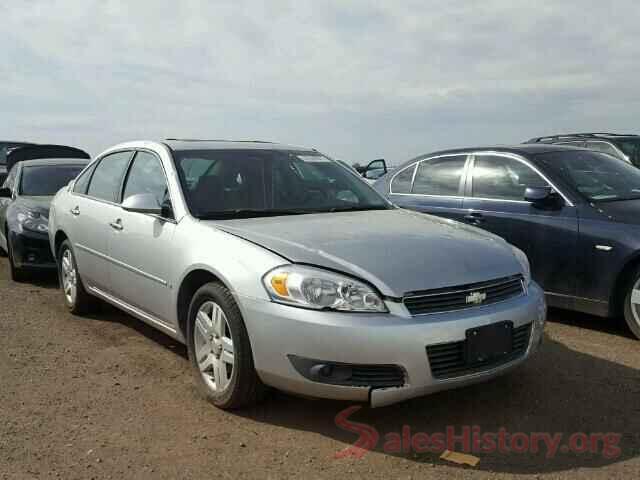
245, 183
46, 180
596, 176
631, 148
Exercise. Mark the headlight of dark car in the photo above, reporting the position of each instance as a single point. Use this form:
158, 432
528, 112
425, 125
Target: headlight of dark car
32, 221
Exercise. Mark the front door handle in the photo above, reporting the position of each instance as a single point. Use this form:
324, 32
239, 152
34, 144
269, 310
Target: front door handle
475, 218
117, 225
75, 211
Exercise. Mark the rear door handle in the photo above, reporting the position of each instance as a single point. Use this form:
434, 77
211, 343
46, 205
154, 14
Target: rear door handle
476, 218
75, 211
117, 225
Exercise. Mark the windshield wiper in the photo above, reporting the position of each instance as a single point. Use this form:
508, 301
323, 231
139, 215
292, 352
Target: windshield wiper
358, 208
248, 213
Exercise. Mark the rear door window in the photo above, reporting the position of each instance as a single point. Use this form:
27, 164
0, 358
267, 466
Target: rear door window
107, 177
401, 183
440, 176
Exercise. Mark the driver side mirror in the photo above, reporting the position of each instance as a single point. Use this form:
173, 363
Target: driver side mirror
142, 203
6, 193
542, 197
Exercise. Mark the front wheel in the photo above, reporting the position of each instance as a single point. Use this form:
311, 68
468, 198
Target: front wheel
17, 274
220, 351
632, 305
76, 298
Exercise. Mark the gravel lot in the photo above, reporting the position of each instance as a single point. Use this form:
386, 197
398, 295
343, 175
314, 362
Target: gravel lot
108, 397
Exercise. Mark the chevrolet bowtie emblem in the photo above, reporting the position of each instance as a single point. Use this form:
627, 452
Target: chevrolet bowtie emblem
476, 297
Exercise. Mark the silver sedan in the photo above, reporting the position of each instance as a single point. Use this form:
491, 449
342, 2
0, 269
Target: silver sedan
279, 267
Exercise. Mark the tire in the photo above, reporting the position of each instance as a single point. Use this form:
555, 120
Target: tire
17, 274
632, 310
76, 298
216, 335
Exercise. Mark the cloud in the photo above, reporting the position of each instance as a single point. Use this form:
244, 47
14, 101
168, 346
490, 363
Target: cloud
356, 79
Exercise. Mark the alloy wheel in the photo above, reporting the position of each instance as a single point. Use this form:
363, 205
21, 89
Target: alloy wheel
69, 277
213, 346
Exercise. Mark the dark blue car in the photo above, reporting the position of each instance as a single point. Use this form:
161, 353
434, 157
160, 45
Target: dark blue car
574, 212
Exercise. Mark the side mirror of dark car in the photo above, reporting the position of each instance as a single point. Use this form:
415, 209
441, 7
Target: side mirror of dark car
5, 193
542, 197
142, 203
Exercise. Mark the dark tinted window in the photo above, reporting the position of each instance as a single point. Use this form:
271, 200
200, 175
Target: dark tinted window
264, 181
603, 147
598, 177
401, 183
503, 178
631, 148
82, 182
107, 176
440, 176
46, 180
146, 176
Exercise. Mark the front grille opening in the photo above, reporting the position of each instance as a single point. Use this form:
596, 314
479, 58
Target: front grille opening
448, 360
464, 296
347, 374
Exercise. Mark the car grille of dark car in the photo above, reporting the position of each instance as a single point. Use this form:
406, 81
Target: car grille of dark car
377, 376
457, 298
448, 360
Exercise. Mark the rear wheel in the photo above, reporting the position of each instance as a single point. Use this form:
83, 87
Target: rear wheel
76, 298
219, 349
632, 304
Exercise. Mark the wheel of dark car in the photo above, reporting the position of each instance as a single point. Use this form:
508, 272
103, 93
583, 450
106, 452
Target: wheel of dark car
17, 274
76, 298
220, 351
632, 305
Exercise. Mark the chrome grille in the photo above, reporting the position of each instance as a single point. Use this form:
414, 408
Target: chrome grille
464, 296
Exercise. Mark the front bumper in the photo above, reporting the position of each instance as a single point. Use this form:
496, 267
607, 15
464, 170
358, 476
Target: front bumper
31, 250
279, 333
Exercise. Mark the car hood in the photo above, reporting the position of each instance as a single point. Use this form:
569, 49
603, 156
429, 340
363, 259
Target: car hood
396, 250
625, 211
36, 204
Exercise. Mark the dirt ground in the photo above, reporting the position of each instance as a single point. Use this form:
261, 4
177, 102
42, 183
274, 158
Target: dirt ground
109, 397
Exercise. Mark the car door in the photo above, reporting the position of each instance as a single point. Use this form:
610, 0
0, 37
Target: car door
93, 206
495, 201
141, 244
432, 185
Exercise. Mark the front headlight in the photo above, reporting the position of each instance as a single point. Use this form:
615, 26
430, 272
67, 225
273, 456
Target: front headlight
524, 263
33, 221
321, 289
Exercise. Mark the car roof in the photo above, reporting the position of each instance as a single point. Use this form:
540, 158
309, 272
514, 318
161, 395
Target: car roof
520, 149
582, 136
54, 161
199, 144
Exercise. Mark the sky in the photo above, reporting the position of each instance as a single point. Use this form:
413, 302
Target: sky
357, 80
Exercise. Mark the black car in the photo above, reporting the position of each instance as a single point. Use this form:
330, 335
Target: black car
25, 197
622, 146
5, 148
574, 212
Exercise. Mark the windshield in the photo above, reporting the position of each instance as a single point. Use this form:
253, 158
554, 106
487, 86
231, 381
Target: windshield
46, 180
598, 177
248, 183
631, 148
